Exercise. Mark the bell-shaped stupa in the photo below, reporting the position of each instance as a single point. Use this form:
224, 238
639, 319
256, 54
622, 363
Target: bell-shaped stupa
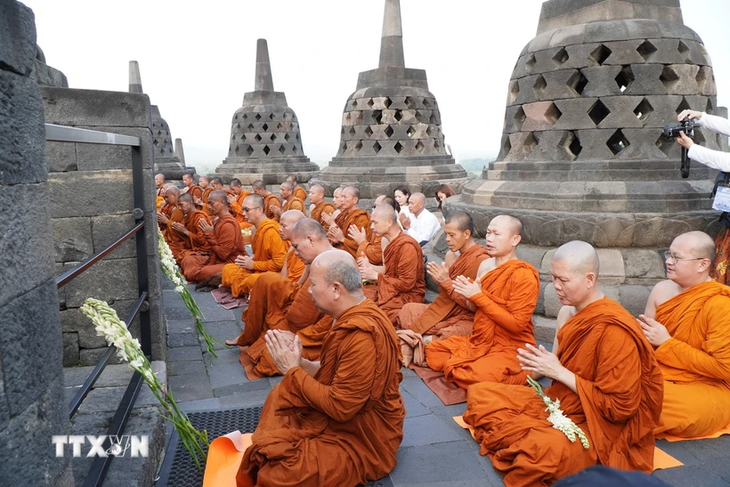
582, 155
166, 161
391, 127
265, 141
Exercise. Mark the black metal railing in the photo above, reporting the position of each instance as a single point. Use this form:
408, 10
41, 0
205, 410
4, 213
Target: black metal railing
60, 133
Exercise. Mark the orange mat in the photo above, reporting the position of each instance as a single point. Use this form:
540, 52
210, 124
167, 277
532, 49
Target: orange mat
224, 458
448, 392
723, 431
662, 459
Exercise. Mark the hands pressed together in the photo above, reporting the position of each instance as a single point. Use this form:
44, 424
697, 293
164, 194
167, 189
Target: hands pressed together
367, 270
285, 348
439, 272
335, 235
205, 226
540, 361
357, 234
466, 287
244, 261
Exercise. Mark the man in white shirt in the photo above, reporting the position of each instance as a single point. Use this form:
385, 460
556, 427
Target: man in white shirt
422, 225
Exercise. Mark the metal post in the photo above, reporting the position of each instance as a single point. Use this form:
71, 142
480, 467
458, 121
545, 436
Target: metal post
142, 271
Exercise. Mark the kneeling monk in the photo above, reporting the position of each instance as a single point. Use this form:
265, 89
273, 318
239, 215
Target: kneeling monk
338, 421
504, 297
687, 319
604, 374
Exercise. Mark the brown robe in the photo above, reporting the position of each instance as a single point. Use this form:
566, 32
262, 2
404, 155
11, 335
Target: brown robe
372, 248
226, 243
360, 219
271, 200
204, 198
300, 193
195, 191
319, 209
197, 242
294, 204
344, 425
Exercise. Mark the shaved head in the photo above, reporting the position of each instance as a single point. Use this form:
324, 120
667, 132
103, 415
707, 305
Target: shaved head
418, 197
318, 188
291, 216
185, 197
216, 181
700, 244
353, 191
235, 183
219, 196
258, 185
287, 185
339, 266
462, 220
171, 188
386, 212
580, 256
514, 224
254, 200
204, 178
308, 226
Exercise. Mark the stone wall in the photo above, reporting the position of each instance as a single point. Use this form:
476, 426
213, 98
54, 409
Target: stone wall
32, 406
91, 204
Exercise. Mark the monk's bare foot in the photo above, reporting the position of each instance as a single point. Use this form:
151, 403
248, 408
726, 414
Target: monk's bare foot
231, 343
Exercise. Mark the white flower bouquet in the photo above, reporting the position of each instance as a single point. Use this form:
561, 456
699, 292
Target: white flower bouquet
558, 419
172, 272
108, 325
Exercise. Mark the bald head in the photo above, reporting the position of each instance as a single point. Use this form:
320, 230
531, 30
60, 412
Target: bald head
218, 196
172, 189
258, 185
699, 245
159, 180
385, 212
461, 220
580, 257
235, 183
511, 222
417, 203
187, 198
253, 201
339, 267
288, 185
287, 220
308, 227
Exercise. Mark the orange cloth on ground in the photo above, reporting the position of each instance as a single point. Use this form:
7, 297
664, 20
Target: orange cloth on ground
300, 193
404, 280
226, 243
197, 242
271, 200
294, 204
449, 307
502, 324
695, 362
373, 249
344, 425
319, 209
269, 254
617, 405
360, 219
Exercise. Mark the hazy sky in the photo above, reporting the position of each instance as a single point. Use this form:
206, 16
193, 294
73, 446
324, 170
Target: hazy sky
197, 59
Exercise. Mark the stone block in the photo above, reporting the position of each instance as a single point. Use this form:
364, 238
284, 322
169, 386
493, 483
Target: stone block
61, 157
646, 80
624, 52
74, 107
532, 254
106, 229
94, 157
611, 264
70, 343
108, 280
601, 81
644, 263
72, 321
75, 194
91, 356
22, 133
72, 239
544, 328
17, 38
634, 298
29, 320
552, 303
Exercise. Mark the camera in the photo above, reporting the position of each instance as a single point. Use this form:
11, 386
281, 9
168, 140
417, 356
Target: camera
687, 126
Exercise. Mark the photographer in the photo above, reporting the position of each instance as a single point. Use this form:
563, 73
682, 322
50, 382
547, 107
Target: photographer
715, 160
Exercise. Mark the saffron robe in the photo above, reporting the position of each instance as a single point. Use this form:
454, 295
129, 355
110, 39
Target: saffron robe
404, 280
372, 248
271, 200
344, 425
449, 308
196, 242
204, 198
360, 219
195, 191
300, 193
269, 253
502, 324
695, 362
175, 240
319, 209
226, 243
617, 404
236, 209
294, 204
293, 265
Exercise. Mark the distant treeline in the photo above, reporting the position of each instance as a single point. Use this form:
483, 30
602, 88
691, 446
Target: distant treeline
474, 167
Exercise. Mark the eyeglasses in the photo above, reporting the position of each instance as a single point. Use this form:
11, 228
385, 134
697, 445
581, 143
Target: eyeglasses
246, 210
668, 256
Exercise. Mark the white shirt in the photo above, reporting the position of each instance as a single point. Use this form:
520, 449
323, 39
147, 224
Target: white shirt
712, 158
424, 226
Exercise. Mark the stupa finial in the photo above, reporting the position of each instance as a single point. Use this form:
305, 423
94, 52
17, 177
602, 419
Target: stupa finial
264, 81
391, 43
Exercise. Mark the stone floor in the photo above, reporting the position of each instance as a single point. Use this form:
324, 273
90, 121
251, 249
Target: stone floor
435, 450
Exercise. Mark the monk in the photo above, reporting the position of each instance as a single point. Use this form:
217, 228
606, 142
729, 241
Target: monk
338, 421
202, 202
279, 303
687, 320
604, 375
271, 201
190, 187
449, 314
169, 214
235, 202
269, 250
350, 214
160, 184
504, 296
299, 192
329, 219
401, 280
319, 207
216, 184
192, 237
371, 247
224, 238
291, 202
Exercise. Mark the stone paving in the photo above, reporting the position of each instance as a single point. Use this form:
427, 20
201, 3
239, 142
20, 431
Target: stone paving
435, 450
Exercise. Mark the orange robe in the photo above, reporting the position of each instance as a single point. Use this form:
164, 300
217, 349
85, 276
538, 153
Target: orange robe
195, 191
502, 324
197, 244
695, 362
175, 240
271, 200
226, 243
293, 265
372, 248
360, 219
404, 280
269, 253
294, 204
344, 425
319, 209
448, 313
300, 193
236, 209
204, 198
617, 405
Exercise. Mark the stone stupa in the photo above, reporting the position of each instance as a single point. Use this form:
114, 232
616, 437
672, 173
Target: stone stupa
582, 154
265, 141
166, 161
391, 127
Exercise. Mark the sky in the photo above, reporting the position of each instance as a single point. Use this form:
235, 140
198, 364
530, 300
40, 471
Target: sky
197, 59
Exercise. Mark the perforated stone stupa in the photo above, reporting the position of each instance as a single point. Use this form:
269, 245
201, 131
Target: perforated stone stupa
582, 155
166, 161
391, 127
265, 140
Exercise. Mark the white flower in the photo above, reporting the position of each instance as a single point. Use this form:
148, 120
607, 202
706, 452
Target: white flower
137, 363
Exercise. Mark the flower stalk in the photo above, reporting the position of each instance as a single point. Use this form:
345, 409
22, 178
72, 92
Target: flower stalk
172, 272
107, 324
557, 417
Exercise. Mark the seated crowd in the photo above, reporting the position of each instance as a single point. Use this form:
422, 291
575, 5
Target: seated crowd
336, 292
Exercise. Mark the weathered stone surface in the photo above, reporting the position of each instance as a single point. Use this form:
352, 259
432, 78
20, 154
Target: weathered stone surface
76, 194
70, 343
92, 157
61, 157
634, 298
72, 239
17, 38
96, 282
92, 107
107, 229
